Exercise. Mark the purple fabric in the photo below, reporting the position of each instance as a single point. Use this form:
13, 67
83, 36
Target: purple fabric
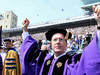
47, 57
71, 69
52, 66
74, 68
89, 63
27, 68
31, 68
90, 60
1, 66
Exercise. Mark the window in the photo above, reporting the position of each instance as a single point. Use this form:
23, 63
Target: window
13, 18
7, 16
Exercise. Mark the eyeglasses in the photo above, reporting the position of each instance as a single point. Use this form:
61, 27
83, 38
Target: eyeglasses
60, 40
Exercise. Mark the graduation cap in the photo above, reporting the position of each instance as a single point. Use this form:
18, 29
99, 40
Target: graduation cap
10, 40
51, 32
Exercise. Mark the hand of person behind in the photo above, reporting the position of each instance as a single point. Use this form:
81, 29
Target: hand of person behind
96, 10
25, 24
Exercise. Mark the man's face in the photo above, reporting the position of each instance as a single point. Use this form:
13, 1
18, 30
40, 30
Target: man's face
58, 43
8, 44
1, 50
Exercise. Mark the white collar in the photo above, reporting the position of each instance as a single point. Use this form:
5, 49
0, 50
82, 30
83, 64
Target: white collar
59, 55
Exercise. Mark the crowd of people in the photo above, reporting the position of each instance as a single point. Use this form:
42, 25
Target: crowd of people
55, 52
73, 44
79, 40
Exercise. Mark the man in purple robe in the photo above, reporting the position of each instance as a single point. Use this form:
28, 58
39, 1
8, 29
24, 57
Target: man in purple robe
37, 62
90, 59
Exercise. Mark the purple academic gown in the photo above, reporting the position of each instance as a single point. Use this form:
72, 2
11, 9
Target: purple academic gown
1, 66
71, 68
28, 65
90, 60
27, 68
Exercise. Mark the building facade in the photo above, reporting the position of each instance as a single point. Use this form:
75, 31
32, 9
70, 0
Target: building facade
8, 20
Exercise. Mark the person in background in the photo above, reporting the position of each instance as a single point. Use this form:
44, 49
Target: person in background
11, 62
84, 43
46, 46
40, 44
90, 59
88, 37
1, 50
74, 46
3, 53
57, 64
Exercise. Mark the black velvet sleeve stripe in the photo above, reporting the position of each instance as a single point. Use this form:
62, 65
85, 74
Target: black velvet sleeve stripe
47, 65
36, 54
33, 56
71, 54
10, 67
77, 58
10, 59
59, 70
30, 54
42, 56
11, 63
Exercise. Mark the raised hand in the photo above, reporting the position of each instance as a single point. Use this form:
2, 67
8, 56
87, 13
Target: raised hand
25, 24
96, 10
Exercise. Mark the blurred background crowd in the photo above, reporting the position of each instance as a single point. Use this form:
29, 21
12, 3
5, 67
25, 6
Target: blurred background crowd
81, 37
